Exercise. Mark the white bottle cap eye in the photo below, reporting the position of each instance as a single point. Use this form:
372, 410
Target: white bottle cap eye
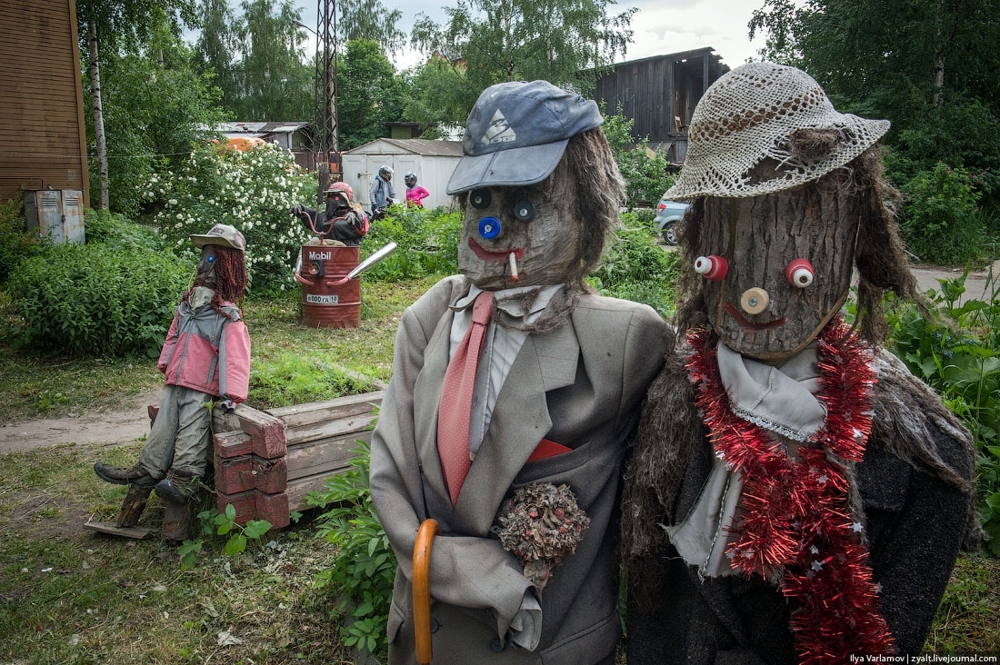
800, 273
713, 267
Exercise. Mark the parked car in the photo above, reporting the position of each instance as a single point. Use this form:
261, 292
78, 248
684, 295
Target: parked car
668, 213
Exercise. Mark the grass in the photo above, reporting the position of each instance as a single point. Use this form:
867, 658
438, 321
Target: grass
68, 595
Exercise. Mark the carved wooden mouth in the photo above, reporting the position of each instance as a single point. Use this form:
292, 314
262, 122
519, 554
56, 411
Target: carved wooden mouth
750, 325
487, 255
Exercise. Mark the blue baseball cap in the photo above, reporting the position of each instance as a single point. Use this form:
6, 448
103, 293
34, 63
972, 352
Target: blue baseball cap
517, 133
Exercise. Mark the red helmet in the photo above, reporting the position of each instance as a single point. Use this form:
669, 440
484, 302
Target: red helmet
341, 187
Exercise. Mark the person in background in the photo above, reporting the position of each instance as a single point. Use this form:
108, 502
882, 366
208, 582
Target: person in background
414, 192
382, 194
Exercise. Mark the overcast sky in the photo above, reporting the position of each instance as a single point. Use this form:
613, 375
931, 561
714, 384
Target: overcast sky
660, 26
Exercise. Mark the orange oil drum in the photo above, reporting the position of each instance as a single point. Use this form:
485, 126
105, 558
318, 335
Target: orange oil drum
325, 302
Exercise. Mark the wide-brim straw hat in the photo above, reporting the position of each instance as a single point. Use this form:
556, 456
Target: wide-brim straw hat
748, 116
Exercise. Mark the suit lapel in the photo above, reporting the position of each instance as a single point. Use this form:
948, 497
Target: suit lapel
520, 420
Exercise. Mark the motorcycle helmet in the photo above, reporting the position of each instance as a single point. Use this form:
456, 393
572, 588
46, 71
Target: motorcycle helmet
385, 171
340, 188
410, 179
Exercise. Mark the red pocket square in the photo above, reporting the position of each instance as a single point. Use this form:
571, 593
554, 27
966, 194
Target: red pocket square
546, 449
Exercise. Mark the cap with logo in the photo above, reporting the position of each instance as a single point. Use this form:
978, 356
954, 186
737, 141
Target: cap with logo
220, 234
517, 133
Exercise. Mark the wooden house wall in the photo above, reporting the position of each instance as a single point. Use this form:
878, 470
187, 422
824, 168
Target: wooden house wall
641, 90
42, 130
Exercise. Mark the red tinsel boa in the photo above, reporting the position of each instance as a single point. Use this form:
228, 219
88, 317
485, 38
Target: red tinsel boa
795, 527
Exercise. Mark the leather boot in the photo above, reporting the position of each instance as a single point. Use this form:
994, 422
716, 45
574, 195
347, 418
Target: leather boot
178, 487
116, 475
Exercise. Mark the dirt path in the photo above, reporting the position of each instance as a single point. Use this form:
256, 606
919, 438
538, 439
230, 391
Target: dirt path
109, 427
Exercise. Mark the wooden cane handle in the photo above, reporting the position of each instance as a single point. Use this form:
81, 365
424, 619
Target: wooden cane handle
422, 590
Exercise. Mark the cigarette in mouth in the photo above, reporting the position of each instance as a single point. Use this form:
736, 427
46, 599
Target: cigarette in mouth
513, 267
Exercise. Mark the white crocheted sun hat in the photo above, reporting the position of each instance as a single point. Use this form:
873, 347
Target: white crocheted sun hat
747, 116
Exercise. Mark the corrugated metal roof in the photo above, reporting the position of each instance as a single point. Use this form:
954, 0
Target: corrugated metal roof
415, 146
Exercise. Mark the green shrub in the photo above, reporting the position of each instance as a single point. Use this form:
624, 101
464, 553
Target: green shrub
427, 243
959, 355
16, 244
941, 223
98, 300
291, 378
113, 230
252, 191
636, 268
364, 567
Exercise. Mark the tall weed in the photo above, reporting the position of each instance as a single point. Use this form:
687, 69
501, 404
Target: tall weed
364, 567
960, 357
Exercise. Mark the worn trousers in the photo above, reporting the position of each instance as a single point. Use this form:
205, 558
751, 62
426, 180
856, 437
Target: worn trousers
180, 436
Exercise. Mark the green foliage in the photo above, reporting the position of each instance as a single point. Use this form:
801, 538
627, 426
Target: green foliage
222, 524
252, 191
293, 378
941, 223
439, 94
98, 299
119, 232
644, 170
427, 239
154, 110
369, 94
960, 357
636, 268
16, 243
364, 566
567, 43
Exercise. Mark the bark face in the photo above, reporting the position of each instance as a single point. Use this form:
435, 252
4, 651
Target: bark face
547, 247
759, 237
95, 94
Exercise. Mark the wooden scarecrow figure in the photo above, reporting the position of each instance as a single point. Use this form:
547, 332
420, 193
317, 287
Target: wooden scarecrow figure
512, 395
205, 360
794, 495
343, 220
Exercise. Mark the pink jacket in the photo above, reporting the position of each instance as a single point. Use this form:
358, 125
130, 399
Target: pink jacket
207, 351
415, 195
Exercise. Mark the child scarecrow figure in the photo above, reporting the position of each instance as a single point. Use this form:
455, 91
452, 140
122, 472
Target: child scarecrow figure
519, 464
795, 495
206, 360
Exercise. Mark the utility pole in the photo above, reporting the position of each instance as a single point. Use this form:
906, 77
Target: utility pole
328, 146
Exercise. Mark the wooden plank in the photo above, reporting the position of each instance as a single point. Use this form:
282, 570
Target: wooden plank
232, 444
329, 430
298, 489
321, 456
314, 412
135, 532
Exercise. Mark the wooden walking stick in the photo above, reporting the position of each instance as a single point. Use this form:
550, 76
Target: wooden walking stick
422, 590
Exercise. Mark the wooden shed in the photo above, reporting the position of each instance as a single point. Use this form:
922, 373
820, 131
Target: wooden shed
659, 93
43, 139
432, 161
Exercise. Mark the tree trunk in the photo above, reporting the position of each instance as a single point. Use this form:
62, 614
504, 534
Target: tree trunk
759, 236
95, 95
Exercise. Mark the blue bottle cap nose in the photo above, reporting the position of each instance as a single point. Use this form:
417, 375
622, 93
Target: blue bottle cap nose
489, 227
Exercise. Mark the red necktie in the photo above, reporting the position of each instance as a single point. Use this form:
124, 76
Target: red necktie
456, 399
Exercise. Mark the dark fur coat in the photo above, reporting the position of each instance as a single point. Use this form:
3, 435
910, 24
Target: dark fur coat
914, 492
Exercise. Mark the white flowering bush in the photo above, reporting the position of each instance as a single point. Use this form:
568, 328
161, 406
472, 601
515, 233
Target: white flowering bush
252, 191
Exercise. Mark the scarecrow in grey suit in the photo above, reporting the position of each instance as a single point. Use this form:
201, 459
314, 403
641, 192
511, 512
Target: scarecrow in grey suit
529, 500
795, 495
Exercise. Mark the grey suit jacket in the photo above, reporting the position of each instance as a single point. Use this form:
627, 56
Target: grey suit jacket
580, 385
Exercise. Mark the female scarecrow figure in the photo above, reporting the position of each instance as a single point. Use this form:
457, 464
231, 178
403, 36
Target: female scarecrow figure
205, 359
517, 457
794, 495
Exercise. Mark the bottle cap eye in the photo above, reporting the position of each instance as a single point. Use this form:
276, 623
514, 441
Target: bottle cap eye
480, 198
800, 273
524, 211
713, 267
